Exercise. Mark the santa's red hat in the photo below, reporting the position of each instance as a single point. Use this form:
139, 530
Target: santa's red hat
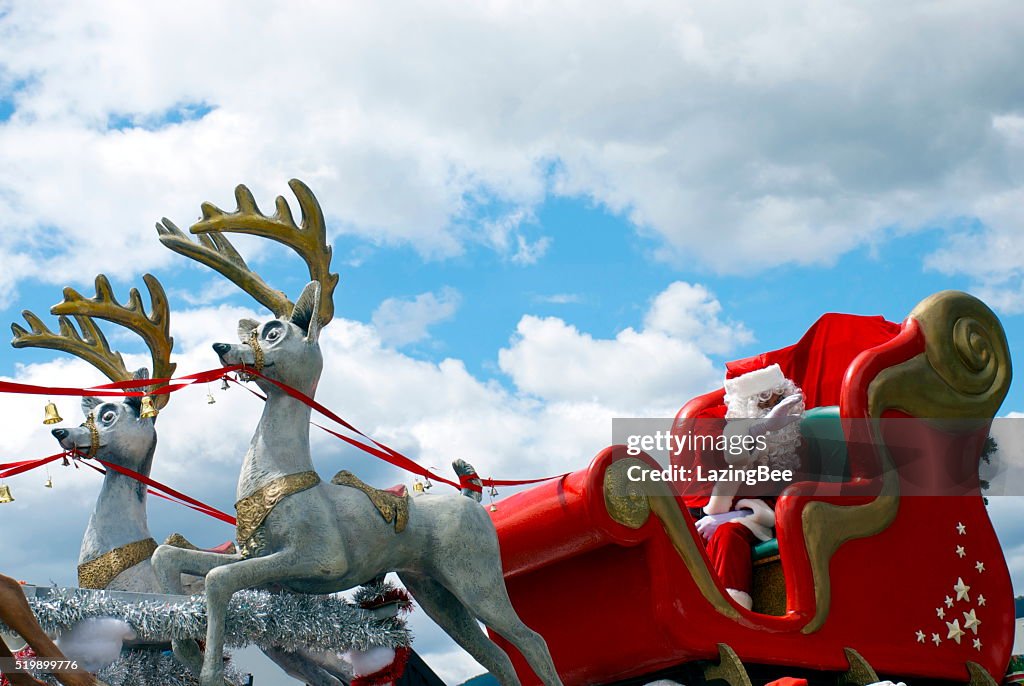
758, 381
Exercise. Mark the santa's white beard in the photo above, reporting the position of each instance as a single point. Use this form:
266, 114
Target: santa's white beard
783, 444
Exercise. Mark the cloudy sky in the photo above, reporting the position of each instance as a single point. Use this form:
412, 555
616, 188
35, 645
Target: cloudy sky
544, 215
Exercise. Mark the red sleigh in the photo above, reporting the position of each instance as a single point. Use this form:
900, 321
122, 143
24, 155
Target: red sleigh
878, 565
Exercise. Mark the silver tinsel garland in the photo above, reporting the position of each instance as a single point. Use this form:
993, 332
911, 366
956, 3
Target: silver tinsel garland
153, 667
283, 620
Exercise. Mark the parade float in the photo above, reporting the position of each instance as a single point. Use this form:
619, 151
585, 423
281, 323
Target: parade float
885, 561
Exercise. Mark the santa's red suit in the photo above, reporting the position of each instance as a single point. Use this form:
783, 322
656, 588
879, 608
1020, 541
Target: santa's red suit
763, 404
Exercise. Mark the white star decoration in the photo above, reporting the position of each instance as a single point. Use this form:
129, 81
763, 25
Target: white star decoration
960, 551
980, 566
949, 602
935, 639
920, 636
955, 632
961, 590
971, 621
977, 644
940, 612
981, 601
961, 529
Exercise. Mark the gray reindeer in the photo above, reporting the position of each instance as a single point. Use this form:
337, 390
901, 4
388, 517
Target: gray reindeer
314, 537
117, 546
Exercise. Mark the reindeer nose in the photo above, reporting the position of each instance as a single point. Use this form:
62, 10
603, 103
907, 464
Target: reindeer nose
221, 348
60, 434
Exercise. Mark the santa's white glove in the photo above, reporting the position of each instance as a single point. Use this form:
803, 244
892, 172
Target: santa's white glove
96, 642
708, 524
782, 415
887, 683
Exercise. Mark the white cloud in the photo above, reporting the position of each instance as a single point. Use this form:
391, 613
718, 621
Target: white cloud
560, 298
637, 369
739, 137
401, 321
690, 312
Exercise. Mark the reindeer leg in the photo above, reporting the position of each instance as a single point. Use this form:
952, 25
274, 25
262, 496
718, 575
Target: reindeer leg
452, 616
221, 583
472, 572
170, 563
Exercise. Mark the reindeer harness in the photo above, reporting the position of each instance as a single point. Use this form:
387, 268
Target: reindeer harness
254, 509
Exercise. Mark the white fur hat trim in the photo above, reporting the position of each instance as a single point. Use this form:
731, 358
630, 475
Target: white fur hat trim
755, 382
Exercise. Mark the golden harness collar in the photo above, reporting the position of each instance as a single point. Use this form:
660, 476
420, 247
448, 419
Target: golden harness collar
253, 509
100, 572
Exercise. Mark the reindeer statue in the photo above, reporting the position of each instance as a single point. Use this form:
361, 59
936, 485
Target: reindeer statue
117, 547
315, 537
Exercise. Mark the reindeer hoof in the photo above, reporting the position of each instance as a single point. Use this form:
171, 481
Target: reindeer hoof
188, 654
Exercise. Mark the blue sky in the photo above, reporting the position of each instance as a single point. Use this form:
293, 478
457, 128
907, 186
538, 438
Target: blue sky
542, 217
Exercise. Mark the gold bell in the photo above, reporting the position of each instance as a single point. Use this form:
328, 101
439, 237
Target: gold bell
5, 494
210, 400
417, 487
49, 482
148, 409
51, 415
494, 508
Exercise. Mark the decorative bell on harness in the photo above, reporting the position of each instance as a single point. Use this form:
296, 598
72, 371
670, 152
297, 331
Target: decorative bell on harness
5, 494
210, 400
418, 486
49, 481
224, 385
51, 415
493, 492
148, 409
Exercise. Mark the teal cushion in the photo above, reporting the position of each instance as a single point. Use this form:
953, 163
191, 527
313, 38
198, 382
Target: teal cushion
766, 549
825, 444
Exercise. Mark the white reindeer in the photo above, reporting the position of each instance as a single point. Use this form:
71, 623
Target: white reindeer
315, 537
117, 546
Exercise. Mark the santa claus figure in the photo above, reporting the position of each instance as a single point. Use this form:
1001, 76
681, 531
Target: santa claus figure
767, 406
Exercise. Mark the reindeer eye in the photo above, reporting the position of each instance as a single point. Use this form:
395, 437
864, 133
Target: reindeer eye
108, 416
273, 334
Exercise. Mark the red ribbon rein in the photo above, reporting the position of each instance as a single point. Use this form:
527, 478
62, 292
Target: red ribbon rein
120, 389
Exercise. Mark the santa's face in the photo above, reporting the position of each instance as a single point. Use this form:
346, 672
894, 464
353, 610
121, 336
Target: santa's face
771, 401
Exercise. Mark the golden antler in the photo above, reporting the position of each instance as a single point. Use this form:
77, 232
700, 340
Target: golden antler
90, 345
154, 329
214, 250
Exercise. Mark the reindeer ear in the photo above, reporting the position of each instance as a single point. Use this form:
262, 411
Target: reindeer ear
89, 402
140, 373
245, 327
304, 315
134, 402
